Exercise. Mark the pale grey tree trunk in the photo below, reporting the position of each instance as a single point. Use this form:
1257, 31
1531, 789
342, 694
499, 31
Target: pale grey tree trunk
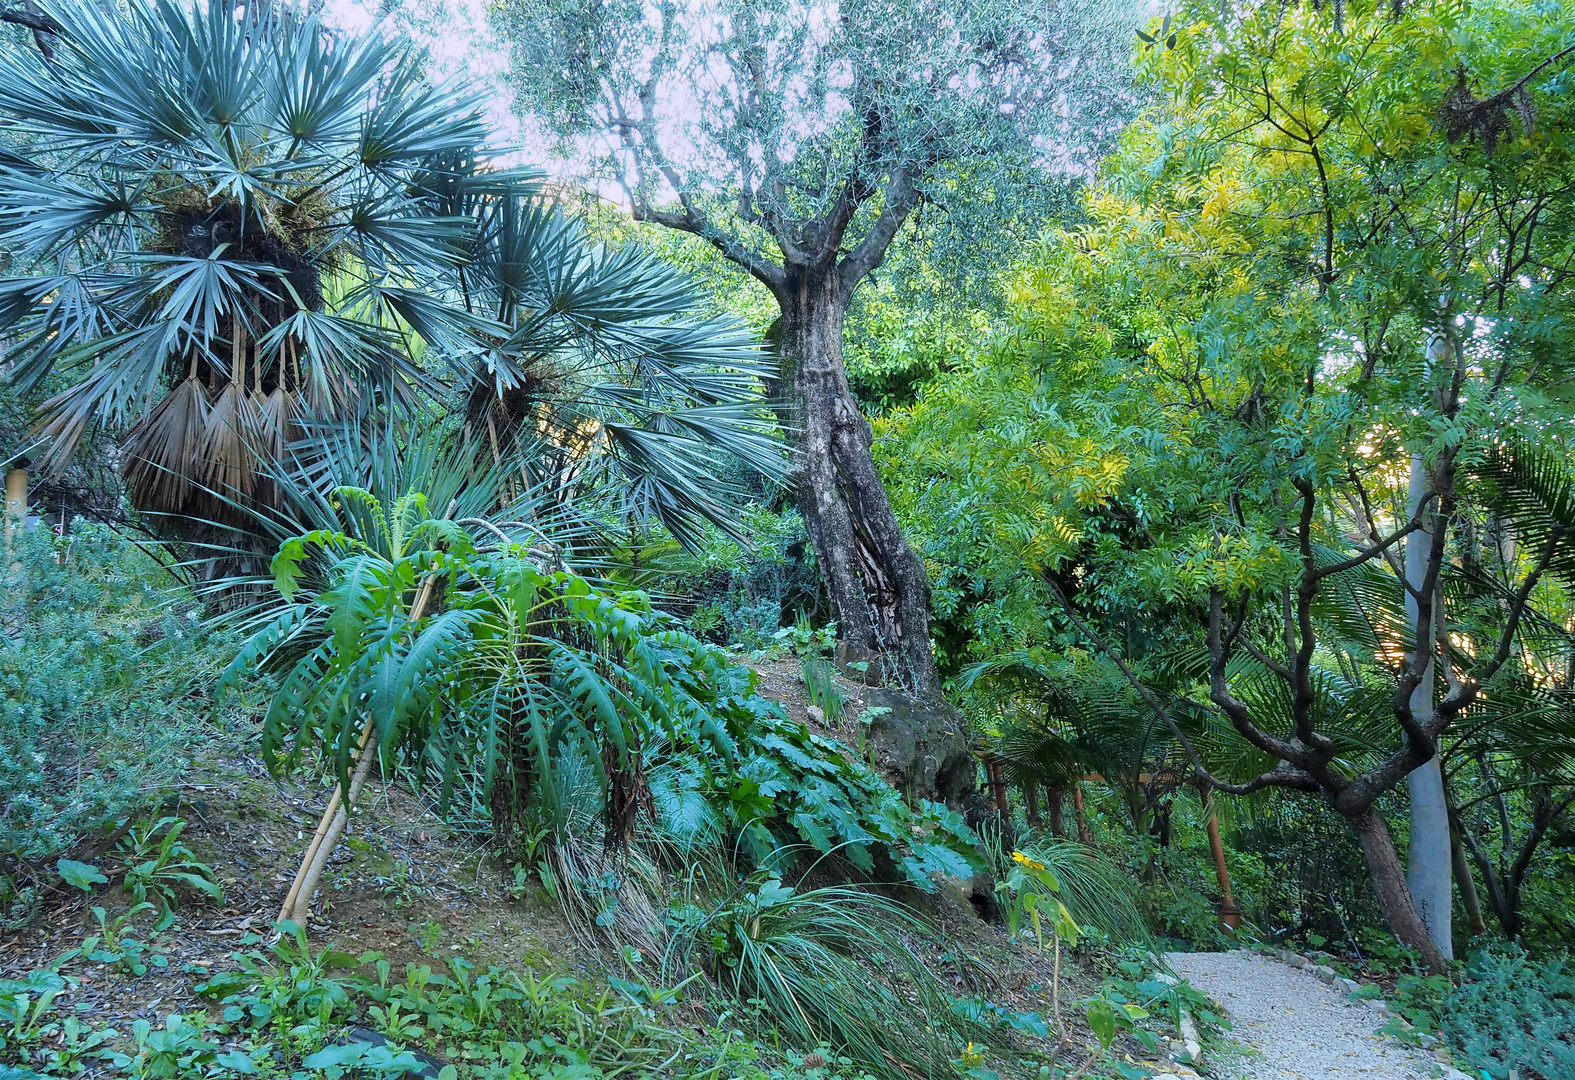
1430, 856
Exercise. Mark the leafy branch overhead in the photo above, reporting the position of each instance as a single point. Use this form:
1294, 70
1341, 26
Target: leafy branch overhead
812, 133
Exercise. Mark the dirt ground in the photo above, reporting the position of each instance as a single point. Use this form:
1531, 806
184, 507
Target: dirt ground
403, 884
400, 884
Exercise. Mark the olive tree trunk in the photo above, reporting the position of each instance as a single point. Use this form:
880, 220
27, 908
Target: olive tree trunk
879, 590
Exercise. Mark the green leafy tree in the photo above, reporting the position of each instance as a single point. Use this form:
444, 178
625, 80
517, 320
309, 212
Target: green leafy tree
800, 141
1195, 455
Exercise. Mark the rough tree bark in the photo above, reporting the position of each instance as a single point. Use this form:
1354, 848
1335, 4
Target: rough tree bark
879, 589
1394, 898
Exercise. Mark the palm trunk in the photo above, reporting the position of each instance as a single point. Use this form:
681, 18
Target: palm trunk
1383, 863
1082, 818
1057, 810
879, 590
1430, 853
1031, 803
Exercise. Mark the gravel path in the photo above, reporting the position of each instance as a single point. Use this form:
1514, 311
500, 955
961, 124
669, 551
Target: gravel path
1303, 1029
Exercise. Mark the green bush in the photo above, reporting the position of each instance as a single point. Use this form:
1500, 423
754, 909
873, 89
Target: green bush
1511, 1015
742, 598
101, 701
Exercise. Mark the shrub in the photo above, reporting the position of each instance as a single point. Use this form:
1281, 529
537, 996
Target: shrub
729, 597
1512, 1015
98, 714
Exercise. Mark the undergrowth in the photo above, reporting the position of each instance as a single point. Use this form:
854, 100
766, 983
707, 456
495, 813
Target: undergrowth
1510, 1015
104, 697
291, 1011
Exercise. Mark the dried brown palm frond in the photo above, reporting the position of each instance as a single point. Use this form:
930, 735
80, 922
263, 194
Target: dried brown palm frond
276, 423
1487, 120
227, 460
161, 449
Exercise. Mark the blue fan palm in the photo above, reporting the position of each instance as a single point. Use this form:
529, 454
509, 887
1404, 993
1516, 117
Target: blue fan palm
228, 224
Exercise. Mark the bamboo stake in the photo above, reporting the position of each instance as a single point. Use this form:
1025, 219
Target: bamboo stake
15, 526
1229, 914
297, 906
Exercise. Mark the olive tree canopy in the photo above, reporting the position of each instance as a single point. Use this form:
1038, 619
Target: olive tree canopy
799, 139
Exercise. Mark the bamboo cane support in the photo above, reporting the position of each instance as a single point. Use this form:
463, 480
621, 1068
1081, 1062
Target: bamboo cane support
297, 905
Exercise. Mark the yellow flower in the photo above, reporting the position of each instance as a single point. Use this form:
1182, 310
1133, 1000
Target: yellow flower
1019, 857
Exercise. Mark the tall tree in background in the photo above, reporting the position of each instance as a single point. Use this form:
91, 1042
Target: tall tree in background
799, 139
1308, 268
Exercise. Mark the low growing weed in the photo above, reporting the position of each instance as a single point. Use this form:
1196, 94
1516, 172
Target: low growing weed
292, 1002
119, 943
160, 865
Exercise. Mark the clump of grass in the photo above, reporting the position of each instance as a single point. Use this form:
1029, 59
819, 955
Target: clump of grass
828, 966
1094, 889
819, 690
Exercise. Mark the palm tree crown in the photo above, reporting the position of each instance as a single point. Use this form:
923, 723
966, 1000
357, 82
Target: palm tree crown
230, 222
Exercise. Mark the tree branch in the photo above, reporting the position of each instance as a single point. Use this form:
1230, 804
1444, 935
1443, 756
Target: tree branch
1368, 553
648, 145
46, 31
1282, 775
901, 198
733, 250
1233, 708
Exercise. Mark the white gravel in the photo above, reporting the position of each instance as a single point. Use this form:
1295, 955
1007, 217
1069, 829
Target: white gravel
1302, 1028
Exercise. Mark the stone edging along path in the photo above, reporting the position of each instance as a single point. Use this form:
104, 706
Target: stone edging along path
1296, 1020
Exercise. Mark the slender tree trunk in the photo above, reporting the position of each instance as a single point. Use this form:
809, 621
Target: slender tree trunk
879, 589
1429, 854
1077, 809
1508, 919
1383, 863
1470, 903
992, 770
1230, 915
298, 901
1057, 809
1031, 803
